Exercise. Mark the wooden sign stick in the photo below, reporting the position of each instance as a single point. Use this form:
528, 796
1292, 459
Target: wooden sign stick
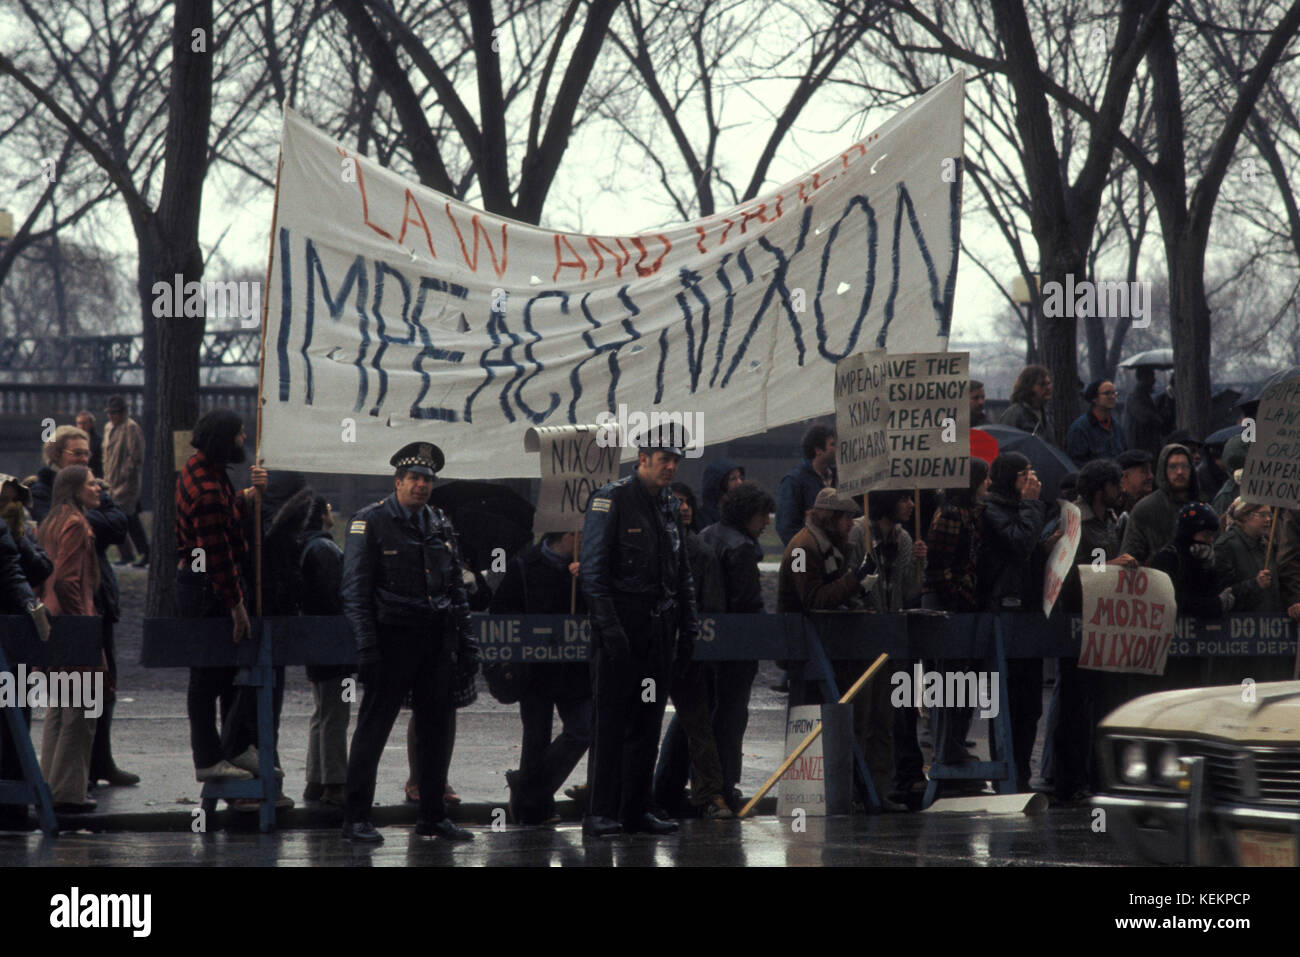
1272, 530
811, 737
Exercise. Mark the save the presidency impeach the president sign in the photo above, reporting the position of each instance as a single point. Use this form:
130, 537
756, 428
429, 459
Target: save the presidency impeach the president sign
396, 313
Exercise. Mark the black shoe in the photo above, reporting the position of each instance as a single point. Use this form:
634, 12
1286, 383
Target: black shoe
601, 827
649, 824
117, 778
444, 829
362, 832
84, 807
313, 792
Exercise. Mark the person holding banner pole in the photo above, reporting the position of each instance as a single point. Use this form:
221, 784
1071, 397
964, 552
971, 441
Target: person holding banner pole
1244, 563
638, 587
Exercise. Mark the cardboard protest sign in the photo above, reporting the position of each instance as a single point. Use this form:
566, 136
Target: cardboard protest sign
395, 312
861, 416
576, 460
1062, 557
1128, 619
1272, 472
929, 420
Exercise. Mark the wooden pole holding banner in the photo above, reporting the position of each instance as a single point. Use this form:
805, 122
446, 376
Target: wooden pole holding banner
1272, 530
261, 373
812, 736
573, 585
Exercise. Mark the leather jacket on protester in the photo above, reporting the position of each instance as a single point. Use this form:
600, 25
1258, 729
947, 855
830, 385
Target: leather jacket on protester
633, 560
739, 555
15, 593
396, 574
107, 521
1009, 533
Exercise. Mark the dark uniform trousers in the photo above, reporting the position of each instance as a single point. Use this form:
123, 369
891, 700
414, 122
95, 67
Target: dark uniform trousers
625, 733
414, 661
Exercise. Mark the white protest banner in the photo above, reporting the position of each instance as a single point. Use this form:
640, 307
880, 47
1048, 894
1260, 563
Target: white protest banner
1062, 557
1272, 472
1129, 617
861, 416
929, 420
576, 460
396, 313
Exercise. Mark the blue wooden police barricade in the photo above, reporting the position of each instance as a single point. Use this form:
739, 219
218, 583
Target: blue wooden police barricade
75, 642
819, 639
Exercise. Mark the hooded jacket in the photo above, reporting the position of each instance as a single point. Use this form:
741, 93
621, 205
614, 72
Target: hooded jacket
1288, 556
1234, 457
715, 474
1153, 521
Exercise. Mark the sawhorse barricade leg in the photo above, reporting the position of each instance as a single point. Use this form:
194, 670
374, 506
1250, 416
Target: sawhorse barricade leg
32, 789
831, 695
265, 787
1001, 771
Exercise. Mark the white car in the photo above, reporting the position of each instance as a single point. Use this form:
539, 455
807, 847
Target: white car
1205, 775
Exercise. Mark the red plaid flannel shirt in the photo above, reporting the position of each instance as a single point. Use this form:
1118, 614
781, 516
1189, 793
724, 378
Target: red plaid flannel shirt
209, 515
950, 557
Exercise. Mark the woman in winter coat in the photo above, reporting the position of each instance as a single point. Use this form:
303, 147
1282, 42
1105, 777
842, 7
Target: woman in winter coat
66, 536
1239, 554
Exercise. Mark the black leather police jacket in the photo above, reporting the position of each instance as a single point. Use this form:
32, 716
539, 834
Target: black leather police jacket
633, 558
394, 574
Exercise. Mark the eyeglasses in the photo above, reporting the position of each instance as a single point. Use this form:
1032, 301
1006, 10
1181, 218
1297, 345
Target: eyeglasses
1108, 392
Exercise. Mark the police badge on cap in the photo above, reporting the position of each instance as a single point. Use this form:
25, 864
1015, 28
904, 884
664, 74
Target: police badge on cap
670, 437
422, 458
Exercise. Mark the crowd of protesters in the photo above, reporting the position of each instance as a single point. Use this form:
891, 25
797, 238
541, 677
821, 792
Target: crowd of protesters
1149, 496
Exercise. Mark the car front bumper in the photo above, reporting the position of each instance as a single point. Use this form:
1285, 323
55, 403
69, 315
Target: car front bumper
1167, 830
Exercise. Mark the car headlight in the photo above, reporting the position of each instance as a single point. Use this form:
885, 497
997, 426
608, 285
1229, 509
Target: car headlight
1169, 769
1133, 767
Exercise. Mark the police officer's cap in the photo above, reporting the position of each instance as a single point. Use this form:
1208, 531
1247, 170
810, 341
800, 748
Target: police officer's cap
670, 437
422, 458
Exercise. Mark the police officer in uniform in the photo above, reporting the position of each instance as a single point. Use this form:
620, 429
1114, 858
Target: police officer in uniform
405, 600
638, 588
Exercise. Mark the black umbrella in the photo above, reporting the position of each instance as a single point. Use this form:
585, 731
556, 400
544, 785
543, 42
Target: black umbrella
1155, 358
1221, 437
486, 517
1049, 462
1251, 406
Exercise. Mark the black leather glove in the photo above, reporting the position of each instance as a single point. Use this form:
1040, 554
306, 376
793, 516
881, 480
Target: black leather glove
368, 673
866, 569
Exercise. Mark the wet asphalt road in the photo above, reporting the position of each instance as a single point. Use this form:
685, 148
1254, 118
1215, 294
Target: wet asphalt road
1059, 836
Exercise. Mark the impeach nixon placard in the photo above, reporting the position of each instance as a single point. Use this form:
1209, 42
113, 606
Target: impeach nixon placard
929, 420
1128, 619
1272, 472
1062, 557
576, 461
861, 417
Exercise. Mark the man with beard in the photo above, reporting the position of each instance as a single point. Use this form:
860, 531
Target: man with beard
1153, 520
